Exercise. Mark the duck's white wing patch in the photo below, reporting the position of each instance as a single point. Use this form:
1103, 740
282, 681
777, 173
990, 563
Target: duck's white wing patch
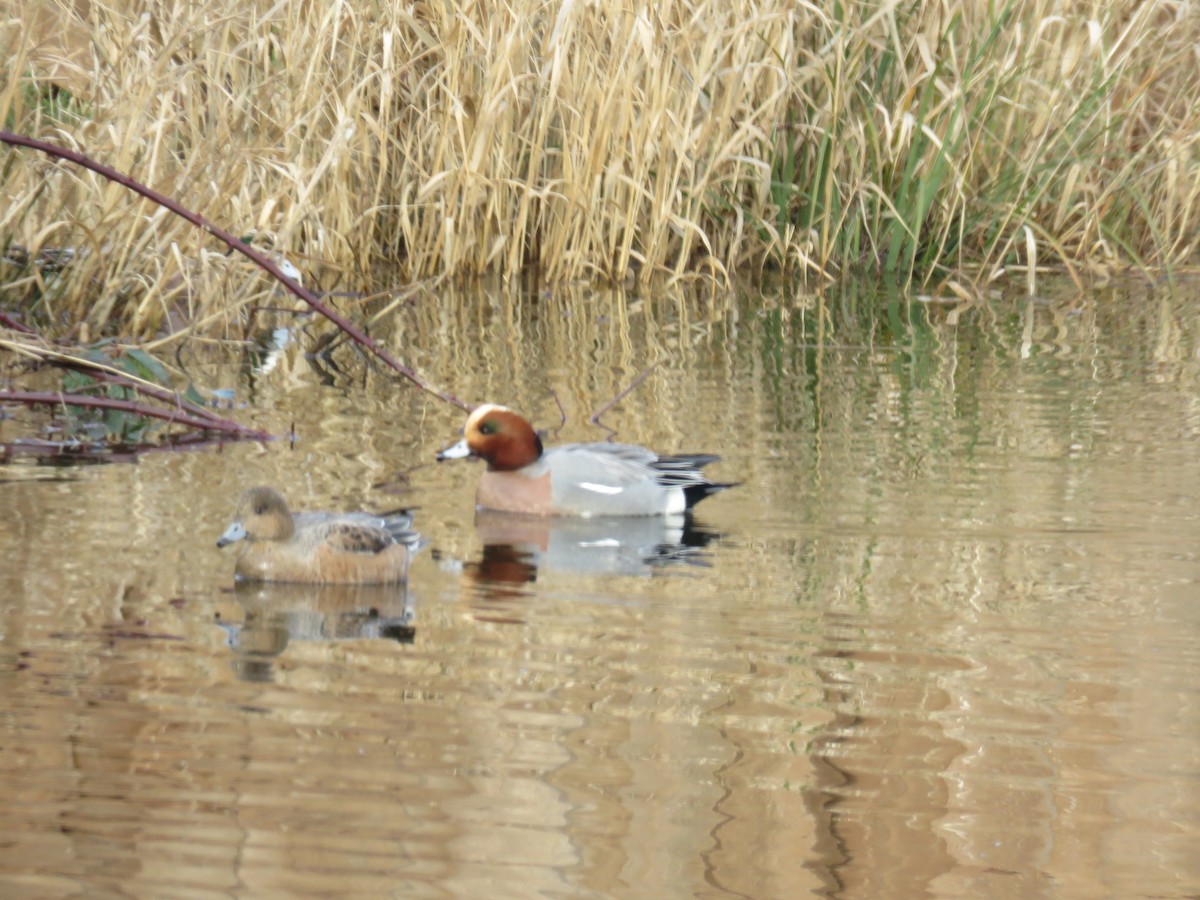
601, 488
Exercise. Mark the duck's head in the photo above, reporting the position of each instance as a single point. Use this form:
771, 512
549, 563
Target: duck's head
497, 434
262, 515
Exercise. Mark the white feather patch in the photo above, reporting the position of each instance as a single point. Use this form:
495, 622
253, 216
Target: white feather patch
600, 488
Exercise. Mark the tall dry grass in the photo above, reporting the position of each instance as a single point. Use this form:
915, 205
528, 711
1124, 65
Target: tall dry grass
590, 140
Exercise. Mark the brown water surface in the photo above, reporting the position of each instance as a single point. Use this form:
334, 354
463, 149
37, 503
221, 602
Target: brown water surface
941, 641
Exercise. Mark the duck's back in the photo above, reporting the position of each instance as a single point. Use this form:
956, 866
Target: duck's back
334, 549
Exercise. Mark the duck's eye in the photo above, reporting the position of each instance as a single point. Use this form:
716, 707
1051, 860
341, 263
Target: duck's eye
488, 427
260, 510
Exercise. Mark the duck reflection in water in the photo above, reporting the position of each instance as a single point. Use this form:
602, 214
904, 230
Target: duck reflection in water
270, 616
516, 547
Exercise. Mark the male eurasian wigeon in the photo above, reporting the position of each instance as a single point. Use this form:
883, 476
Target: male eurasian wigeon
318, 547
575, 479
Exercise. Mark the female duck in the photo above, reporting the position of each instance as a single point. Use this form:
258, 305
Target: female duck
317, 547
575, 479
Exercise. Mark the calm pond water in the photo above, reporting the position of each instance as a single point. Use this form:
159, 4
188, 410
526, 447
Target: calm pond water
942, 640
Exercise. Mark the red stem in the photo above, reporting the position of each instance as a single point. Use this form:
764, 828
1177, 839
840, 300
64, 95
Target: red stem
594, 418
163, 394
51, 398
246, 250
93, 371
9, 322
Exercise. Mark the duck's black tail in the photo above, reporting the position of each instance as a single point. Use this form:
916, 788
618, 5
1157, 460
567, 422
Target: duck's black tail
683, 470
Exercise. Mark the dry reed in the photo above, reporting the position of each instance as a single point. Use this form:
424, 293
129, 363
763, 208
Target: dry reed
589, 140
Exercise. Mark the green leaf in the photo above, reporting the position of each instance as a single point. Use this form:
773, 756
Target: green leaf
115, 421
98, 356
135, 431
143, 365
74, 382
193, 396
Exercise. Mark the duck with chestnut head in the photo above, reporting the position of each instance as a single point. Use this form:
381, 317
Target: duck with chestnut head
595, 479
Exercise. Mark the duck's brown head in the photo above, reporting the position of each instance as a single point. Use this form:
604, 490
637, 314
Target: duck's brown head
497, 434
262, 515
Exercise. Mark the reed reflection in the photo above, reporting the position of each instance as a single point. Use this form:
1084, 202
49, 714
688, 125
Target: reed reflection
887, 766
273, 615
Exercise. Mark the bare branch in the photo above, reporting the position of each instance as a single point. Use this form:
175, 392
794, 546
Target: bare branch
176, 416
594, 418
259, 259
